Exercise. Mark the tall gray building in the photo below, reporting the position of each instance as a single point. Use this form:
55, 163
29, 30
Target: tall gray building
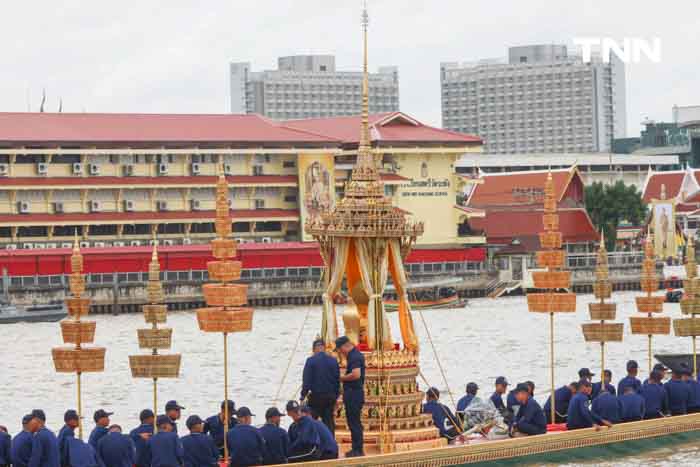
307, 86
541, 100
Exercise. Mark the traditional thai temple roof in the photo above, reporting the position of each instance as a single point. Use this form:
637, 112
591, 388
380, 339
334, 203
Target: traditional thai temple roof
682, 185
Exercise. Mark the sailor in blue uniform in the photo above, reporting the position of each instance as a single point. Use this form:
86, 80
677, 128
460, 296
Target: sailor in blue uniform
633, 407
174, 411
321, 384
607, 377
81, 454
5, 447
214, 425
655, 397
530, 419
661, 370
607, 407
200, 449
585, 373
443, 419
22, 442
578, 414
353, 392
512, 404
304, 438
44, 445
630, 379
101, 418
497, 396
246, 444
276, 439
66, 432
562, 397
116, 449
140, 436
329, 446
464, 402
164, 447
694, 400
678, 393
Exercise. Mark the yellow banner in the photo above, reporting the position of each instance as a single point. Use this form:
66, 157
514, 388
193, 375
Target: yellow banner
316, 186
664, 219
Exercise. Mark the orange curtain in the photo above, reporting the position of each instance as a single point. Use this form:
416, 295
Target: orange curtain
398, 276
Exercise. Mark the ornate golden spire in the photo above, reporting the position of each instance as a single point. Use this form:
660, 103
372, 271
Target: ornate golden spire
690, 303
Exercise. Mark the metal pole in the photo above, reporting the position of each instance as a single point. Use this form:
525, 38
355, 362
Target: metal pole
80, 408
551, 363
226, 414
155, 403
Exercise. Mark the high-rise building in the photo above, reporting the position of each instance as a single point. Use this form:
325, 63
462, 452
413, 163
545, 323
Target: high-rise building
542, 100
309, 86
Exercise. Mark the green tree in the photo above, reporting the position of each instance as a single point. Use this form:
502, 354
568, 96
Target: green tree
610, 205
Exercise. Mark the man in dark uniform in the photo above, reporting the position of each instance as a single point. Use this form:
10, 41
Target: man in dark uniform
66, 432
598, 386
633, 407
329, 446
630, 379
200, 449
464, 402
304, 438
353, 392
694, 400
22, 443
655, 397
140, 436
530, 419
115, 449
246, 444
5, 447
562, 397
607, 407
276, 439
174, 411
44, 445
81, 454
321, 384
578, 414
678, 393
214, 425
443, 419
101, 418
497, 396
585, 373
164, 447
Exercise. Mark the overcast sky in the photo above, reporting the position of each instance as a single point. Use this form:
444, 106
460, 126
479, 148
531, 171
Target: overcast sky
149, 56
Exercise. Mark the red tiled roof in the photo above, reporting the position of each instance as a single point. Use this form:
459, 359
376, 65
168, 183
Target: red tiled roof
509, 189
671, 180
125, 127
70, 218
198, 180
503, 226
385, 127
387, 177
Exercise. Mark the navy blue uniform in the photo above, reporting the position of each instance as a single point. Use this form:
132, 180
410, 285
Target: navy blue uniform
497, 400
443, 419
304, 440
464, 402
116, 450
276, 444
200, 450
694, 399
44, 450
578, 414
81, 454
633, 407
596, 389
165, 449
354, 398
655, 400
678, 393
246, 446
97, 433
530, 419
214, 427
562, 397
607, 407
142, 458
322, 386
5, 448
511, 401
21, 449
329, 447
64, 434
629, 381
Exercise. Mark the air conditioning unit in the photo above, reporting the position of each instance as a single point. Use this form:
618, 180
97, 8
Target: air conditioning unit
162, 205
66, 245
95, 206
128, 205
11, 246
162, 169
94, 169
168, 242
77, 168
195, 204
22, 207
84, 244
267, 240
58, 208
27, 246
99, 244
4, 169
51, 245
119, 244
128, 170
187, 241
228, 169
42, 168
195, 168
134, 243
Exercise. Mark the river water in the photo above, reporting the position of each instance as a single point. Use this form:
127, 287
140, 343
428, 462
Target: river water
488, 338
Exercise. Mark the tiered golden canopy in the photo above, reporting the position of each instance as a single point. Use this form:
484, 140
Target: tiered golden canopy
690, 303
78, 358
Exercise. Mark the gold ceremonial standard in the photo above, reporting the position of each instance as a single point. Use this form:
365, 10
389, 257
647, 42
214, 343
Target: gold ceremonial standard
690, 303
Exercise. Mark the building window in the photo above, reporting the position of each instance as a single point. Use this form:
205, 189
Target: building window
289, 164
259, 204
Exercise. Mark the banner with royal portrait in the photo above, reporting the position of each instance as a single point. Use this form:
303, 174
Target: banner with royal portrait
664, 224
316, 186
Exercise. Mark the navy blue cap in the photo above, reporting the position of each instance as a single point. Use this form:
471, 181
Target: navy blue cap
318, 342
70, 415
585, 373
632, 364
292, 406
38, 413
502, 380
27, 418
193, 420
341, 341
173, 405
163, 420
273, 412
607, 373
244, 412
472, 388
434, 392
660, 368
231, 407
522, 387
146, 414
101, 413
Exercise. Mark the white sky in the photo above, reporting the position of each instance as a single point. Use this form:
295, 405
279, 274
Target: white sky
149, 56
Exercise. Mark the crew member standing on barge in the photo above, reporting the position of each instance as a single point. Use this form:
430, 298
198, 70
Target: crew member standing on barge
101, 418
200, 449
165, 448
321, 384
174, 411
140, 436
353, 392
44, 444
630, 379
65, 433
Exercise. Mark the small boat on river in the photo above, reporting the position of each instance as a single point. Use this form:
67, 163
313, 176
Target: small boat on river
45, 313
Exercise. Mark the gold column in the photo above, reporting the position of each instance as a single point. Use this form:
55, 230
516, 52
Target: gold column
690, 303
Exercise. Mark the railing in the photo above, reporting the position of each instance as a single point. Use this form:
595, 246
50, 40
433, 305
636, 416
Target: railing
617, 259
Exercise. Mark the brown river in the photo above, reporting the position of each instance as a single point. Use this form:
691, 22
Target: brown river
486, 339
